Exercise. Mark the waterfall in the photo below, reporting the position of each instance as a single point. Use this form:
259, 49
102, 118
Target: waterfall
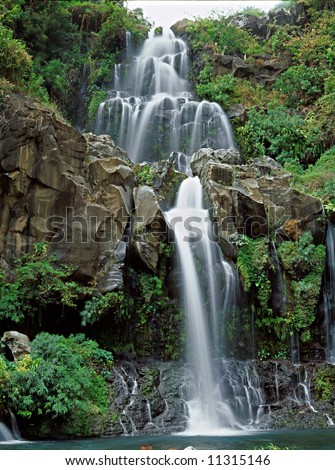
5, 434
151, 113
10, 435
329, 295
217, 396
15, 426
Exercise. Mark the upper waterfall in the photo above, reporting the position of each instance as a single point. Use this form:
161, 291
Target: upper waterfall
150, 112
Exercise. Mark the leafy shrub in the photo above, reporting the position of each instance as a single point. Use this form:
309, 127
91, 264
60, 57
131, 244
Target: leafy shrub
220, 89
218, 32
323, 116
4, 376
145, 174
281, 134
15, 61
39, 282
253, 262
281, 38
113, 302
318, 179
323, 382
96, 96
56, 380
313, 47
301, 84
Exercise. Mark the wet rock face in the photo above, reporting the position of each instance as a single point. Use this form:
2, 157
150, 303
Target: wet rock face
292, 395
71, 190
147, 398
255, 198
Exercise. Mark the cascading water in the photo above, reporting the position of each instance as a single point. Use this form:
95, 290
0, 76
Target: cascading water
220, 394
189, 215
5, 433
151, 114
329, 295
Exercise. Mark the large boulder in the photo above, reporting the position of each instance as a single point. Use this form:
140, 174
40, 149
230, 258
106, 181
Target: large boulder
148, 226
255, 199
265, 71
18, 343
180, 27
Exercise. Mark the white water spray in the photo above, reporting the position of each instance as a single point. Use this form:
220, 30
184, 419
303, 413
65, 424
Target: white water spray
150, 111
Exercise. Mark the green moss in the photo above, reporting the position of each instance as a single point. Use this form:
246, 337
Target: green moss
144, 174
323, 382
253, 261
303, 266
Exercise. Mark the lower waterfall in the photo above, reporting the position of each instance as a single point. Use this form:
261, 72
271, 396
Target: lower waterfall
217, 396
6, 434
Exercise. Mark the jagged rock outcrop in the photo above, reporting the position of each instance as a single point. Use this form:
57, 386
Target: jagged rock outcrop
77, 193
255, 199
265, 71
148, 226
180, 28
18, 343
264, 26
71, 190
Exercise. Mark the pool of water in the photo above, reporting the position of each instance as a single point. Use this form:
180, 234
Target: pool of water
292, 439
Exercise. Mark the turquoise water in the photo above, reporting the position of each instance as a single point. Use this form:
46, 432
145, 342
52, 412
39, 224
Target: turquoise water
297, 439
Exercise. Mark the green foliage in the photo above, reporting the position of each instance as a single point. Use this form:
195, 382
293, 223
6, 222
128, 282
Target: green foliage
323, 116
219, 90
301, 84
145, 174
15, 62
57, 380
323, 382
217, 33
318, 179
317, 5
279, 133
250, 10
158, 318
61, 36
263, 354
10, 11
151, 287
253, 262
39, 282
313, 47
152, 296
94, 309
54, 75
96, 96
281, 38
298, 258
303, 265
4, 376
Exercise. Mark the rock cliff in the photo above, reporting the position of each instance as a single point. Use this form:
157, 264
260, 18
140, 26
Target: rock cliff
255, 199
